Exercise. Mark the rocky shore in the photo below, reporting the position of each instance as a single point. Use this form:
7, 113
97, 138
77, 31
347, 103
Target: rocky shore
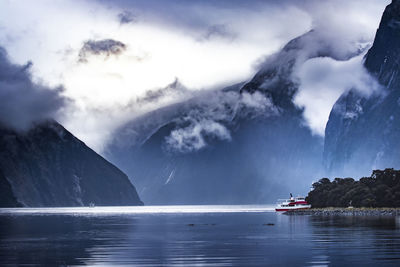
347, 212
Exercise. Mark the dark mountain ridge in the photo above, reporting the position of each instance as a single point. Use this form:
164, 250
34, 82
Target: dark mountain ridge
48, 166
363, 131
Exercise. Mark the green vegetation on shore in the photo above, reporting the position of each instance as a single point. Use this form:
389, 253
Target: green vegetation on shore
382, 189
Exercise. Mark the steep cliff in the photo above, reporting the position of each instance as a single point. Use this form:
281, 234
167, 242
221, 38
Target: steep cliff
7, 198
363, 131
48, 166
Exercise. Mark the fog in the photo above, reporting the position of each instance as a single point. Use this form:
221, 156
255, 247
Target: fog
25, 102
206, 45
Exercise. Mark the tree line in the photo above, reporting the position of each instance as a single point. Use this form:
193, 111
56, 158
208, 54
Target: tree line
381, 189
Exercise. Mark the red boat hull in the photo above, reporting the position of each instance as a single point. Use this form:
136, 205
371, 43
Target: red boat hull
291, 209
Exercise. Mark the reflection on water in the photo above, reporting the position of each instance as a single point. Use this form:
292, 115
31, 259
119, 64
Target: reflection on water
364, 240
184, 236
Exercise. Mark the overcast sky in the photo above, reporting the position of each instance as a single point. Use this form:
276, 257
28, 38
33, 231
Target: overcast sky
106, 54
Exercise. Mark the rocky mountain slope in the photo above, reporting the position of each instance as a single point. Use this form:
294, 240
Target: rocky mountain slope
251, 143
48, 166
258, 146
363, 131
7, 198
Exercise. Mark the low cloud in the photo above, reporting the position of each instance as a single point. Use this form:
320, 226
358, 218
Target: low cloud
161, 45
323, 80
192, 137
347, 33
106, 47
99, 125
24, 102
211, 116
322, 64
175, 90
218, 31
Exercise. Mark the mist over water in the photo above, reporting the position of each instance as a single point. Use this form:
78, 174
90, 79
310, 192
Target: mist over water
193, 236
123, 210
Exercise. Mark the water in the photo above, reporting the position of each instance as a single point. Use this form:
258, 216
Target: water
193, 236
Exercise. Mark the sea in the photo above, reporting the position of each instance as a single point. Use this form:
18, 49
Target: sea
193, 236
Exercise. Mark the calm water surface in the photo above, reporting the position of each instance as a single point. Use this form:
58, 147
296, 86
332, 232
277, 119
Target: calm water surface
193, 236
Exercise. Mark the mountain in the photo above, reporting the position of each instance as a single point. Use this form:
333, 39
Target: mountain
47, 166
244, 144
7, 198
363, 131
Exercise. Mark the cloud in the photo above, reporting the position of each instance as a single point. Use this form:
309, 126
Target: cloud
256, 101
105, 121
218, 31
161, 45
105, 47
158, 49
323, 80
24, 102
192, 138
205, 118
211, 115
349, 30
127, 17
327, 61
175, 90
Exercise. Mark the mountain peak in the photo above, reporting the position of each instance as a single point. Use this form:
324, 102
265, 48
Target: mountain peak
383, 59
362, 132
48, 166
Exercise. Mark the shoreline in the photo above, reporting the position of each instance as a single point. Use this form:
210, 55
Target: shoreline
346, 212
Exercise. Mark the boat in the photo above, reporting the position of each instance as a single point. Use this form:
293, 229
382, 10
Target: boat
298, 203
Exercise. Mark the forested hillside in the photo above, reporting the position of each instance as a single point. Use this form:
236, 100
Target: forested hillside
381, 189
